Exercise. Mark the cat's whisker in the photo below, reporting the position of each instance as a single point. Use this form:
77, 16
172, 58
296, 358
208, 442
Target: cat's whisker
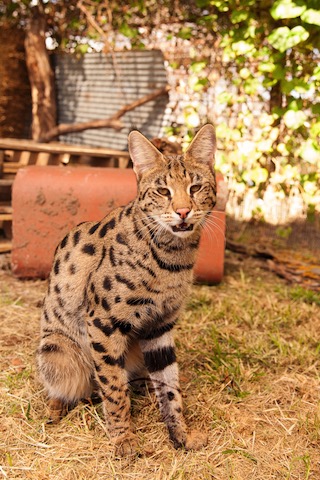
211, 224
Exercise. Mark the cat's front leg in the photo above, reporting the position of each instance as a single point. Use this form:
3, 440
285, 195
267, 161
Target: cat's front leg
160, 360
112, 382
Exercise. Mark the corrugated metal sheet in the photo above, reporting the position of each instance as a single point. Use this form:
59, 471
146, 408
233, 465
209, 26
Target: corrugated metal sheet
96, 85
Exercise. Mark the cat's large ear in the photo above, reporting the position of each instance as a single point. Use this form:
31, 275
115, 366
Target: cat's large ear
144, 154
203, 146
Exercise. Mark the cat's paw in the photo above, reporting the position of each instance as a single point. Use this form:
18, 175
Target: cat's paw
57, 410
126, 447
196, 440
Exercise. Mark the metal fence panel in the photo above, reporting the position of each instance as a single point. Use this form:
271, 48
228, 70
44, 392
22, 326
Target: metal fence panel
96, 85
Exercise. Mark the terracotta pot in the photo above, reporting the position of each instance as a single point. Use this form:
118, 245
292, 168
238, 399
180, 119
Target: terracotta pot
49, 201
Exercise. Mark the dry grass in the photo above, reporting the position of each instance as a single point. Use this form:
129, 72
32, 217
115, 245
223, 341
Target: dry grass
249, 360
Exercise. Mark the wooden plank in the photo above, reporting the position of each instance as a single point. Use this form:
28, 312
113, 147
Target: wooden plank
64, 158
43, 158
6, 182
1, 162
5, 246
6, 208
16, 156
25, 157
11, 167
56, 147
5, 217
123, 162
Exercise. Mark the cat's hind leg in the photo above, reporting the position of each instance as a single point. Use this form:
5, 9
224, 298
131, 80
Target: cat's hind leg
66, 370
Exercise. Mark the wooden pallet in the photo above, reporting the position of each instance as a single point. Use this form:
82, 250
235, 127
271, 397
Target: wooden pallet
17, 153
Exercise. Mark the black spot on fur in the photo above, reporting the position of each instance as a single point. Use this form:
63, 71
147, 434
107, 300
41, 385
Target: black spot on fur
64, 241
109, 360
111, 400
105, 304
105, 328
56, 267
76, 237
120, 239
149, 288
126, 282
49, 348
112, 257
61, 303
148, 269
72, 269
157, 360
170, 396
107, 283
98, 347
89, 249
117, 299
103, 254
108, 226
140, 301
94, 228
121, 325
103, 379
171, 267
150, 334
128, 211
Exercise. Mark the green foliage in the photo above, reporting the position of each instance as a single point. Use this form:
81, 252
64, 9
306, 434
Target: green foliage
267, 52
272, 51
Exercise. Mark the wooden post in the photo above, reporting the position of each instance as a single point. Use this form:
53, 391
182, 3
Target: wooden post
41, 75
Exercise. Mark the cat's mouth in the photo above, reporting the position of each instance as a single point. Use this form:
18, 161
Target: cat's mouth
182, 227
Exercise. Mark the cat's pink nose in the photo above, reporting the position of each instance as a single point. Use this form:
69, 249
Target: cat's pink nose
183, 212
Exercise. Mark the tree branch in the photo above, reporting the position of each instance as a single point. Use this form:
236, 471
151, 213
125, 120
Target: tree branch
111, 122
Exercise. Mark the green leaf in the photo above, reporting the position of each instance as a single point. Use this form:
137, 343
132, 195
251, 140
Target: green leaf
242, 47
128, 31
244, 73
197, 67
311, 16
82, 48
196, 83
257, 175
298, 85
287, 9
315, 130
238, 16
295, 105
185, 33
279, 72
225, 97
316, 109
266, 67
309, 152
294, 119
316, 73
283, 38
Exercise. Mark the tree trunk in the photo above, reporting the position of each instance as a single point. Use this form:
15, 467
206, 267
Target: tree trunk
41, 77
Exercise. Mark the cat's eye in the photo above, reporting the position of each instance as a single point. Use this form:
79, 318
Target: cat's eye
195, 188
164, 191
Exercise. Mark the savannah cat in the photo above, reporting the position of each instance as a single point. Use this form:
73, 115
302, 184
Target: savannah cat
118, 286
